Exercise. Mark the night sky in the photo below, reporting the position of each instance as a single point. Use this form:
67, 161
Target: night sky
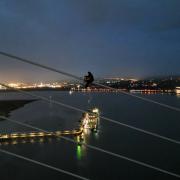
124, 38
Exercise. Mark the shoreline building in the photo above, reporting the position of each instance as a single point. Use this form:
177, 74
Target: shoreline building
2, 87
177, 90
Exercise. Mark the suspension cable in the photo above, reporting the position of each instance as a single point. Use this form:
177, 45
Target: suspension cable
111, 120
102, 117
94, 148
39, 65
43, 164
13, 57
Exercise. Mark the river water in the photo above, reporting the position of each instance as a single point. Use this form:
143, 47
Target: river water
118, 139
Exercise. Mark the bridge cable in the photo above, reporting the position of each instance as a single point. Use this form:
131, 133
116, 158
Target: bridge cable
97, 149
13, 57
123, 157
43, 164
102, 117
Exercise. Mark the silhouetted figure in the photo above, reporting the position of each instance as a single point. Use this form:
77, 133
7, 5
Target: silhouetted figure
88, 79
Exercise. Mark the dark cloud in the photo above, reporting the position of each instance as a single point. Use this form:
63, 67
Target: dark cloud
109, 37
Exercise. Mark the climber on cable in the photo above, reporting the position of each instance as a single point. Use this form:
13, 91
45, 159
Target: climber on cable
88, 79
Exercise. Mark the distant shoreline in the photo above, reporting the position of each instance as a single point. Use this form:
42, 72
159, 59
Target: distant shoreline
143, 91
7, 106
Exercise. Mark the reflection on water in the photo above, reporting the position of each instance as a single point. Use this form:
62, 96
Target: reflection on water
79, 152
118, 139
29, 140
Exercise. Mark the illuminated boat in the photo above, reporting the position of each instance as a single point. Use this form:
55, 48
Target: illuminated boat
91, 119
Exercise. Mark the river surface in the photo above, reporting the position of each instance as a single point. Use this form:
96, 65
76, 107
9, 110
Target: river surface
112, 137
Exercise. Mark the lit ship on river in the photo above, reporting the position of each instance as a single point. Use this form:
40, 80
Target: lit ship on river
89, 120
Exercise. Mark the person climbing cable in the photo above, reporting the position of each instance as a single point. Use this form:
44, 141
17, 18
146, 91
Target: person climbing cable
88, 79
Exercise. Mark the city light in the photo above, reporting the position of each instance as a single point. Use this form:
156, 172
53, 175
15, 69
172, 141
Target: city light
177, 90
2, 87
149, 86
70, 92
95, 110
18, 85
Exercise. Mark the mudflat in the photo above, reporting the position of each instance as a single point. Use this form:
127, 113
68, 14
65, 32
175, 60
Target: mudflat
6, 106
